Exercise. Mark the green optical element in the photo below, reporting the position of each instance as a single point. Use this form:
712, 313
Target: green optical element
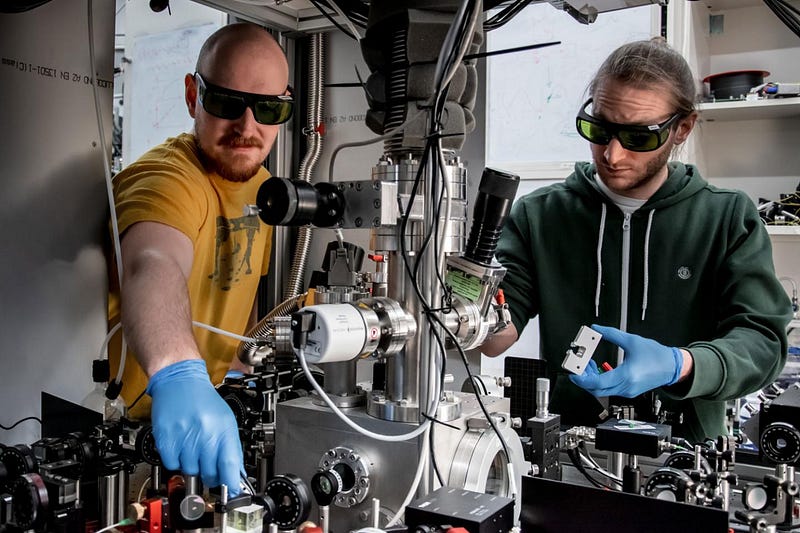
229, 104
632, 137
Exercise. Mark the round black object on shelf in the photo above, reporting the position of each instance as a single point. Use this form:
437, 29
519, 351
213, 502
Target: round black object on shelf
734, 85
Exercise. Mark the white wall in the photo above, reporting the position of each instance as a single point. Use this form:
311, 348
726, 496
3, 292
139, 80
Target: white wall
153, 87
53, 207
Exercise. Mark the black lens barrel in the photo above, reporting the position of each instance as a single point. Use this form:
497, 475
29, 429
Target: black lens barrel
496, 193
286, 202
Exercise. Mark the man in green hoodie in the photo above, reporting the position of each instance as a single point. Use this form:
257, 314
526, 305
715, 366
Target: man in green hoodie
676, 273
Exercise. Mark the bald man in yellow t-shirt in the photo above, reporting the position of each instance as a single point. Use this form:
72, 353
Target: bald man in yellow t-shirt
193, 251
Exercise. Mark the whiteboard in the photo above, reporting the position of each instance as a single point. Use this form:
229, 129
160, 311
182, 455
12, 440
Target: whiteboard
533, 96
159, 63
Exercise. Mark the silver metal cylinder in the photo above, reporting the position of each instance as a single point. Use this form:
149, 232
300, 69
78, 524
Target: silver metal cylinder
155, 477
616, 463
542, 397
108, 500
324, 518
376, 513
223, 499
192, 484
113, 492
340, 378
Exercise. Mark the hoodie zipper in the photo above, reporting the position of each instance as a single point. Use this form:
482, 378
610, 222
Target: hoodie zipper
626, 256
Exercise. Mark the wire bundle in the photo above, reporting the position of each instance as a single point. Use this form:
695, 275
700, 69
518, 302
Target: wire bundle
788, 14
352, 12
506, 14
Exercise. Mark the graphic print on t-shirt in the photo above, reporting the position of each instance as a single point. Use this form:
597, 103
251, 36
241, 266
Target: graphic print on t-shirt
234, 246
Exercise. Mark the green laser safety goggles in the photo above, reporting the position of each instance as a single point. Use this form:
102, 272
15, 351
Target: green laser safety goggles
230, 104
636, 138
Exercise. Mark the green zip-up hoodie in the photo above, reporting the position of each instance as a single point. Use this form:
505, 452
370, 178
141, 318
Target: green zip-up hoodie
700, 277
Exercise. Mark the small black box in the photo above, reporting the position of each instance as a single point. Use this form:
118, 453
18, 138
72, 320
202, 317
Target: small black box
545, 435
632, 436
474, 511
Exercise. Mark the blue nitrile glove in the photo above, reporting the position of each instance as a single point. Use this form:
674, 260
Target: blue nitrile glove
194, 428
647, 365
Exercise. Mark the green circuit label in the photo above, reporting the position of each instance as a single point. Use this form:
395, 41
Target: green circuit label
464, 285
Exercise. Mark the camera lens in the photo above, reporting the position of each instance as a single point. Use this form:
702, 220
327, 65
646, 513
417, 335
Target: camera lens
285, 202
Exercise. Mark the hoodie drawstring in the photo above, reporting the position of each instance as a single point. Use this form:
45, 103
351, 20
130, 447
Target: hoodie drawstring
599, 262
647, 262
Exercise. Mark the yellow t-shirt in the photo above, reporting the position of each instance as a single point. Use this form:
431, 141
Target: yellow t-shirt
168, 184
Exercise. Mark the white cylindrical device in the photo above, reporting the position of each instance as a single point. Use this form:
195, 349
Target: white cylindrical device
340, 333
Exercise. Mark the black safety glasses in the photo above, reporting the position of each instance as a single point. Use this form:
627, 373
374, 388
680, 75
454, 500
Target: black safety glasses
230, 104
635, 138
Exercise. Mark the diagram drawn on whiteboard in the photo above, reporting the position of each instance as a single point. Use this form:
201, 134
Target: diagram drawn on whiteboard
533, 96
159, 63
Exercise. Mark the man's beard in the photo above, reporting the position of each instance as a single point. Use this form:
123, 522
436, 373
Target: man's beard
230, 172
651, 170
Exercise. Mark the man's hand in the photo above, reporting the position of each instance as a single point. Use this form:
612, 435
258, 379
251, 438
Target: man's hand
647, 366
194, 428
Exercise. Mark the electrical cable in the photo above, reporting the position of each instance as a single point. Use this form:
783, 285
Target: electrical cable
789, 6
464, 41
592, 464
413, 489
476, 380
367, 142
20, 421
230, 334
107, 173
505, 15
301, 357
786, 16
433, 317
356, 10
426, 453
246, 485
141, 489
109, 336
141, 394
123, 522
433, 459
456, 41
346, 19
333, 21
438, 105
572, 453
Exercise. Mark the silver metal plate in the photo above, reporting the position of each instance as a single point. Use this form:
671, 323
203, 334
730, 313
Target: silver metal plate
581, 350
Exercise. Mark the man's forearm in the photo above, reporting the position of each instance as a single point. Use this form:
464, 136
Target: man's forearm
500, 341
156, 314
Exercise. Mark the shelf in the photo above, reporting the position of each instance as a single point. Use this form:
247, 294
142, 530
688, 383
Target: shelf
750, 109
721, 5
299, 15
783, 230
